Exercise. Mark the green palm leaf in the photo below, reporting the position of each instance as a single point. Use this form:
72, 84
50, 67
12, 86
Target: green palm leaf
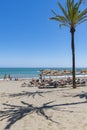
71, 15
64, 11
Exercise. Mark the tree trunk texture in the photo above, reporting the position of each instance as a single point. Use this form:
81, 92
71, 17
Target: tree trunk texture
73, 56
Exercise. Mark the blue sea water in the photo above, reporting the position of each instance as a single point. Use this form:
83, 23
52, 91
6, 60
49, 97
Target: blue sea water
20, 72
26, 72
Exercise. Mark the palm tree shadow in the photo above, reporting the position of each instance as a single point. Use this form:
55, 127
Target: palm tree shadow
82, 95
13, 113
32, 94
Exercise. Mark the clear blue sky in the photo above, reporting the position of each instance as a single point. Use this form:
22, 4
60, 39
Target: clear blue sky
29, 39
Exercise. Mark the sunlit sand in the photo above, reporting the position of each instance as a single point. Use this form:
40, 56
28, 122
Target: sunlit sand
30, 108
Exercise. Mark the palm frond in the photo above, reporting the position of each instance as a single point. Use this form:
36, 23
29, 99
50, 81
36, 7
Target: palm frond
59, 19
71, 15
54, 13
68, 8
83, 17
62, 24
84, 12
79, 3
72, 2
63, 11
84, 20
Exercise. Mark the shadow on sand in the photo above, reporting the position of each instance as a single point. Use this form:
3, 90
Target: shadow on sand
13, 113
82, 95
32, 94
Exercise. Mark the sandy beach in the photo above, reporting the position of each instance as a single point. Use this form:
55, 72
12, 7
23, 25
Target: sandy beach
30, 108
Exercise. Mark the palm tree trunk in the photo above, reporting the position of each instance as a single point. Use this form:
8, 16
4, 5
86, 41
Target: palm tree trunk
73, 55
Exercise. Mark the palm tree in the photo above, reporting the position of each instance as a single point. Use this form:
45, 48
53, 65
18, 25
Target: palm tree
71, 18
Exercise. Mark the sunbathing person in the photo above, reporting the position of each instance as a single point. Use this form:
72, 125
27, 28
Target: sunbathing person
35, 82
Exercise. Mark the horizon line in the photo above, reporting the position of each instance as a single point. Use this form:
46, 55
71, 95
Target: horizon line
41, 67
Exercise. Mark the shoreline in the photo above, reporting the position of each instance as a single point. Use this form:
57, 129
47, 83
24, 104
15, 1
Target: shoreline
47, 77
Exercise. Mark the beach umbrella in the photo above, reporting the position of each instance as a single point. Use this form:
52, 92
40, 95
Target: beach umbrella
84, 72
56, 73
66, 72
46, 73
43, 73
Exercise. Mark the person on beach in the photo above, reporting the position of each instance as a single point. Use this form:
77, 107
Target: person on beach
5, 77
9, 77
41, 78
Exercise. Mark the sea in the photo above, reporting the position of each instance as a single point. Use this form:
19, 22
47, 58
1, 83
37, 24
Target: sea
28, 72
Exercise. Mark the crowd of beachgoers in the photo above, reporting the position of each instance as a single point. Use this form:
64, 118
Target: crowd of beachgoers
54, 83
52, 78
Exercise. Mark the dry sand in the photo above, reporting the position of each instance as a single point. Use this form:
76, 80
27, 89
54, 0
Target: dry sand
30, 108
